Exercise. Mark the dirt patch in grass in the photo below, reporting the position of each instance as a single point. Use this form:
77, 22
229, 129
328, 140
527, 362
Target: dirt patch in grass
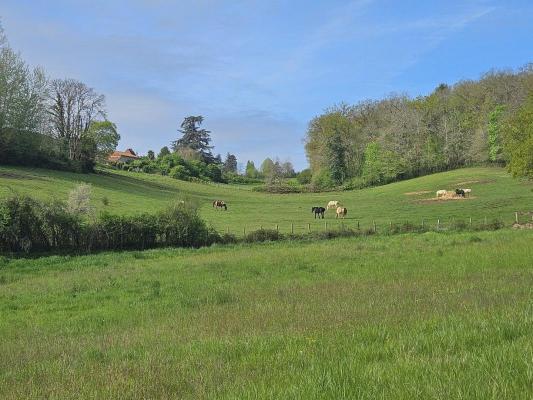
446, 198
527, 225
417, 193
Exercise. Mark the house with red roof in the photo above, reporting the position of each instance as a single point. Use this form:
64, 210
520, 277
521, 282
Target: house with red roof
123, 156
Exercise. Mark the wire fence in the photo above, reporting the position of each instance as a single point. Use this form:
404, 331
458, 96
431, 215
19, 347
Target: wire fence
379, 225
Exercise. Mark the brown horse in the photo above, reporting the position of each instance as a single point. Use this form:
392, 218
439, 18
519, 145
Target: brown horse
220, 204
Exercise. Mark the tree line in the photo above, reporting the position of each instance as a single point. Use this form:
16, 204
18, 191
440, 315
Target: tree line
56, 123
190, 157
487, 121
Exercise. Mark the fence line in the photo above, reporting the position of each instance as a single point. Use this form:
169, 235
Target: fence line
373, 225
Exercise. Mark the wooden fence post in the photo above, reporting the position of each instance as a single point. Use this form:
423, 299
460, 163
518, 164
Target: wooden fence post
244, 231
292, 228
485, 220
438, 223
277, 228
470, 221
309, 227
422, 223
516, 217
326, 225
357, 224
374, 224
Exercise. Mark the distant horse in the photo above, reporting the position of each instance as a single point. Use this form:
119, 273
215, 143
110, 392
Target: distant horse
333, 204
460, 192
318, 211
220, 204
341, 212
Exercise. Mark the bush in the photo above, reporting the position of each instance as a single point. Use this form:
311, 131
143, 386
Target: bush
263, 235
27, 225
322, 181
280, 188
79, 200
304, 177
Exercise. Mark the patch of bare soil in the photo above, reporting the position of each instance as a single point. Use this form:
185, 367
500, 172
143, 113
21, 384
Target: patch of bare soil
449, 196
417, 193
527, 225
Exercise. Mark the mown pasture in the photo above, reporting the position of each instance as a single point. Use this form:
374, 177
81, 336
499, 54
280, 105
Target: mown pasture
495, 196
429, 316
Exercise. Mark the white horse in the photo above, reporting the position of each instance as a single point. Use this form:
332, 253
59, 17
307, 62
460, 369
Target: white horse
341, 212
333, 204
441, 193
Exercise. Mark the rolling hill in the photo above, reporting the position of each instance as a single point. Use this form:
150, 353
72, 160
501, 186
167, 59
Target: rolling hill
495, 195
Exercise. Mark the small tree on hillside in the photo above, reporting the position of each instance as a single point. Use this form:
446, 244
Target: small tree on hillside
230, 164
163, 152
251, 171
105, 136
79, 200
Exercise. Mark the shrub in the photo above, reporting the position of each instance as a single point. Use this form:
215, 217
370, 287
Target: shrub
263, 235
179, 172
27, 225
79, 200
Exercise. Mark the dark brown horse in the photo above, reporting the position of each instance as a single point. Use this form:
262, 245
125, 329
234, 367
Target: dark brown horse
220, 204
318, 211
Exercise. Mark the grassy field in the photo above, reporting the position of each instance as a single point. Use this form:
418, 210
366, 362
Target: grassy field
495, 195
429, 316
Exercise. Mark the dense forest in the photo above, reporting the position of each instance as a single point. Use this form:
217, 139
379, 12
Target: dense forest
488, 121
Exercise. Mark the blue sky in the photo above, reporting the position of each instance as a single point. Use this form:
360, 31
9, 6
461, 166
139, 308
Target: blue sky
258, 71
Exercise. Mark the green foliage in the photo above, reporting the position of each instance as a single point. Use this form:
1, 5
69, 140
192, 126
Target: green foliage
380, 166
105, 136
230, 164
267, 167
179, 172
494, 134
263, 235
28, 225
251, 171
163, 152
518, 140
194, 138
305, 176
322, 180
453, 127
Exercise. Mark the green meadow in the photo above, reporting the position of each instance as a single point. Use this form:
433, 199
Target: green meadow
428, 316
495, 195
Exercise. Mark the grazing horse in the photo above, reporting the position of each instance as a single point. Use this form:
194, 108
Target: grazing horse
460, 192
220, 204
441, 193
318, 211
333, 204
341, 212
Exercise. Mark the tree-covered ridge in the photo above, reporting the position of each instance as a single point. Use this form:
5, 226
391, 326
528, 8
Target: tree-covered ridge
471, 122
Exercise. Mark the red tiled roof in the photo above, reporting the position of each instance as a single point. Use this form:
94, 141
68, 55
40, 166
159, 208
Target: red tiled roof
117, 155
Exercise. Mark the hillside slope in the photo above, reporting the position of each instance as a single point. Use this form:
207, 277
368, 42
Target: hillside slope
494, 195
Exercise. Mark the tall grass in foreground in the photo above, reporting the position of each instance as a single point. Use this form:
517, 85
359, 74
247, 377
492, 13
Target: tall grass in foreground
429, 316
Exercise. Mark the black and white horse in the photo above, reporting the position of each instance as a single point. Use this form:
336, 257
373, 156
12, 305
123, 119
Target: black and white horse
460, 192
318, 211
